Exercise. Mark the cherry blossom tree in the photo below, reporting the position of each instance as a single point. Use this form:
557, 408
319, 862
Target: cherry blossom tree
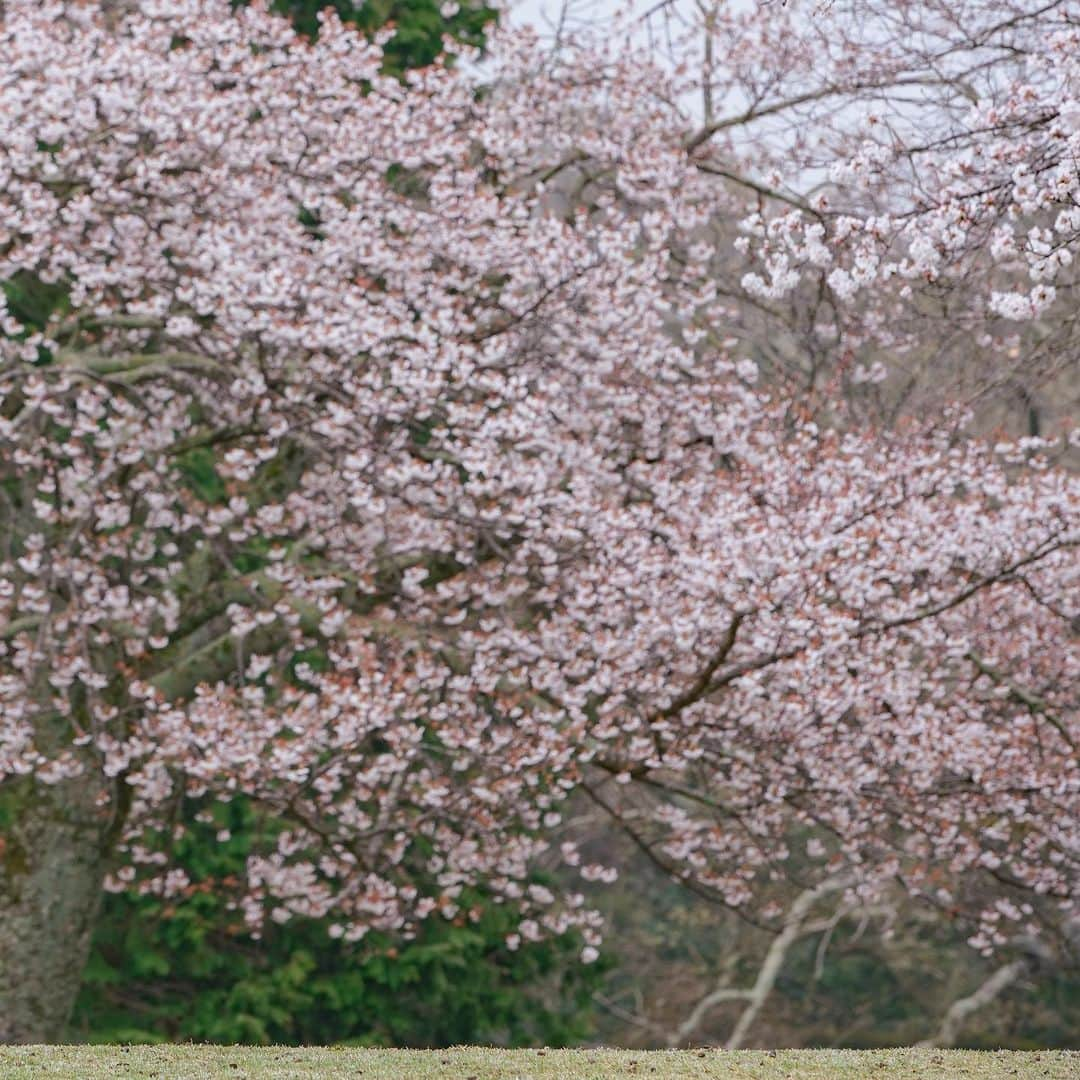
374, 455
907, 180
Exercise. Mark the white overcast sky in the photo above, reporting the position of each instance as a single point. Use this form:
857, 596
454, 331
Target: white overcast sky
544, 14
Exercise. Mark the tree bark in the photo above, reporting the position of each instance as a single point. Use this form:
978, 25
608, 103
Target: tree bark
51, 870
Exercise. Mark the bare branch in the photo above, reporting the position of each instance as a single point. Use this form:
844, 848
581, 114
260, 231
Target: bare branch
960, 1010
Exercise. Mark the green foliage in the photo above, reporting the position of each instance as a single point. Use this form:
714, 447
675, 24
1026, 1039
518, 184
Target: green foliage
187, 970
1053, 1016
419, 24
32, 301
199, 470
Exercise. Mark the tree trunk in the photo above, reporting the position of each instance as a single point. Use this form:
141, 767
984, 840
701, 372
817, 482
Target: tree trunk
51, 869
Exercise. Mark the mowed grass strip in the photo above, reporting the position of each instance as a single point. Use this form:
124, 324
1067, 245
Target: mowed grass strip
283, 1063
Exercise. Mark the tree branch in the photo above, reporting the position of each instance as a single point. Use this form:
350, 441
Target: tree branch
794, 928
960, 1010
777, 954
1034, 703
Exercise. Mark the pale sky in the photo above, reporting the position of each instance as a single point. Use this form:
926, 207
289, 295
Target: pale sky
544, 14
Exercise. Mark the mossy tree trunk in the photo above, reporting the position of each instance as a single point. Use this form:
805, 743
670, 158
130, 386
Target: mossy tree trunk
51, 870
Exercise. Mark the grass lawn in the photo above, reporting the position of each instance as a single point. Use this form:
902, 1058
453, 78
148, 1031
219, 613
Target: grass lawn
281, 1063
